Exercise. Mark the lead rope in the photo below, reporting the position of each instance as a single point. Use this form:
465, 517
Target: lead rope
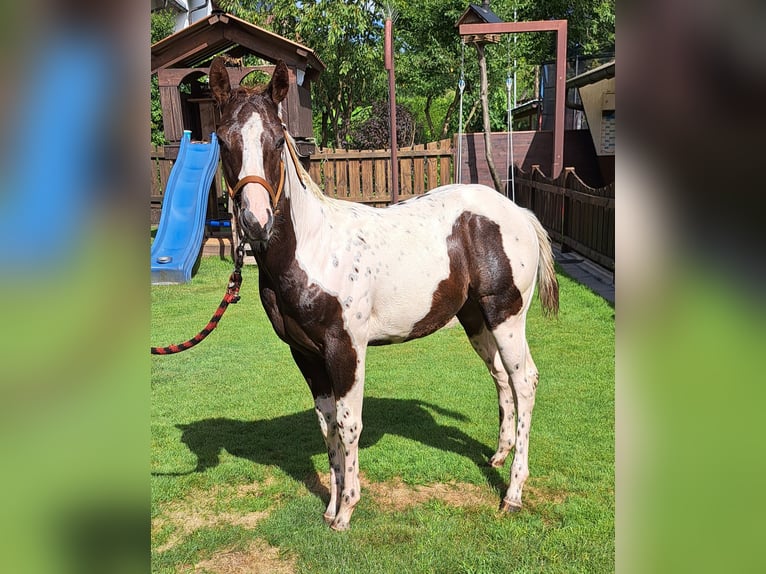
231, 296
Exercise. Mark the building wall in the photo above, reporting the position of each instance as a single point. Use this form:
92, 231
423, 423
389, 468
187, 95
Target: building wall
599, 102
187, 11
530, 148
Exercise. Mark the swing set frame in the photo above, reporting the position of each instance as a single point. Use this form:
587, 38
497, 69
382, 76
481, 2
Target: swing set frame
560, 27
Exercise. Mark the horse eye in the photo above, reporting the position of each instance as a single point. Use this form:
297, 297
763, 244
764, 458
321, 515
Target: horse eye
280, 143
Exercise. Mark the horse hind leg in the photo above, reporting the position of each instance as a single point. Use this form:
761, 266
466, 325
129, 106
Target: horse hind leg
485, 346
514, 351
326, 414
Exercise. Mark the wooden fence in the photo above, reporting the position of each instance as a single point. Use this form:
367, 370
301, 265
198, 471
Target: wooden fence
162, 159
365, 176
362, 176
579, 217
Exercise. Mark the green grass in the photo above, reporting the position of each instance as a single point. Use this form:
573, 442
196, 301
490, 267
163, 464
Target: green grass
234, 435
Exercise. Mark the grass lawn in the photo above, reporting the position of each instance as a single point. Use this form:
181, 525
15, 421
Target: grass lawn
240, 473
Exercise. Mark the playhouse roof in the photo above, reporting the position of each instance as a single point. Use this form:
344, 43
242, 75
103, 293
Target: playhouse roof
476, 14
195, 45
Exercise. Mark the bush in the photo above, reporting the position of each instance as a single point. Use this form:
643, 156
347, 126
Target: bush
373, 132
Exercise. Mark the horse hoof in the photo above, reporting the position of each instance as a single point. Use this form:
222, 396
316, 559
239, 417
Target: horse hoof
496, 462
508, 506
339, 526
329, 519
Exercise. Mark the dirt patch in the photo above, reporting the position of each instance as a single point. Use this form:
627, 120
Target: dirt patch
258, 558
197, 510
396, 495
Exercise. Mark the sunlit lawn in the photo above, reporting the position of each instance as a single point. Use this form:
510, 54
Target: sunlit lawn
238, 462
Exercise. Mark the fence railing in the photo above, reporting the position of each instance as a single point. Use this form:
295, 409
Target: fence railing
579, 217
162, 159
362, 176
365, 176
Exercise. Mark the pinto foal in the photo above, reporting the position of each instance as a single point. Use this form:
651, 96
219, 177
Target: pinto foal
336, 277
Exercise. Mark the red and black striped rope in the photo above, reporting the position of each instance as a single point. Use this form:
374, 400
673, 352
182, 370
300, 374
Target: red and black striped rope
231, 296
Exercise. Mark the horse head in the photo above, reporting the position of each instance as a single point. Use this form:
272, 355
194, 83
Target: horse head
252, 139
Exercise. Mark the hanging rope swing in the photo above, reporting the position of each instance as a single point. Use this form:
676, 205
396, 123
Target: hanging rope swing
510, 83
461, 87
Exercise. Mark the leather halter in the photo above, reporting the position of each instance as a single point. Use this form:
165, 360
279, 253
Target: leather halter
274, 195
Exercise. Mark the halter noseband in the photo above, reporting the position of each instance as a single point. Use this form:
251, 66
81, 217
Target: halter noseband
274, 195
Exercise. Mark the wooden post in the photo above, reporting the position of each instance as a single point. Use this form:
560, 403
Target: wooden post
389, 62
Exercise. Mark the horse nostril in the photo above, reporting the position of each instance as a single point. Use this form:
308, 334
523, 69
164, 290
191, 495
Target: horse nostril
252, 228
249, 220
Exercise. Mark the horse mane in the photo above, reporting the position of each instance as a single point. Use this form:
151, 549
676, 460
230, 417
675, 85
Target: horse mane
248, 91
310, 184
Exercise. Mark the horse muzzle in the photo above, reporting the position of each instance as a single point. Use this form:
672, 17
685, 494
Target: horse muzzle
252, 229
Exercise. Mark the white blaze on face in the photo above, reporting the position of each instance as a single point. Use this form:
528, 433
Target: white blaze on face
255, 198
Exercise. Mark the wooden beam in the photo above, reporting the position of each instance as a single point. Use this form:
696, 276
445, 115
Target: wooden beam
513, 27
560, 27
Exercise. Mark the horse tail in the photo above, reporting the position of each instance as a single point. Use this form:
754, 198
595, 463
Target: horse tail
548, 285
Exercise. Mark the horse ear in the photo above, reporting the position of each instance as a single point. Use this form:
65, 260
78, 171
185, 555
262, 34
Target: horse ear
219, 81
279, 83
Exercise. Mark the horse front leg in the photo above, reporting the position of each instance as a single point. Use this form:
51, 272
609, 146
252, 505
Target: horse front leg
347, 373
313, 370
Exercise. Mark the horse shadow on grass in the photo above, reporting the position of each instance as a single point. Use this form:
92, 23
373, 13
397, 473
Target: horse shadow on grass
290, 441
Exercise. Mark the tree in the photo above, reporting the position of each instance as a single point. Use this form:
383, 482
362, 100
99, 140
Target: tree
485, 117
346, 35
162, 24
428, 59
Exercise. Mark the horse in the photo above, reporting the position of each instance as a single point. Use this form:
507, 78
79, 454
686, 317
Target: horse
336, 277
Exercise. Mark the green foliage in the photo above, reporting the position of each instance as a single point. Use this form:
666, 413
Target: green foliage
234, 435
157, 133
347, 35
429, 53
162, 24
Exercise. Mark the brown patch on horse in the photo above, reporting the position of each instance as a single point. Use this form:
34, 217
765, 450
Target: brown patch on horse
218, 78
236, 104
480, 279
303, 315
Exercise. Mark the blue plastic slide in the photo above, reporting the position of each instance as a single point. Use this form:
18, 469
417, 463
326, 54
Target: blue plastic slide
182, 221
